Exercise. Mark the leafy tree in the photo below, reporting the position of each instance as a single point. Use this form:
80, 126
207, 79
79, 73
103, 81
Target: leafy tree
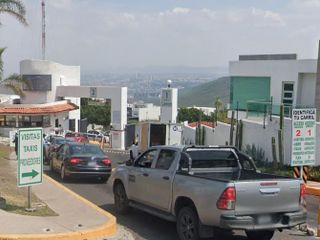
16, 9
96, 113
192, 115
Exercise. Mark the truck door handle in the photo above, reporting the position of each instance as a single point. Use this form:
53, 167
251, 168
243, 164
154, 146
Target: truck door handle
145, 174
165, 178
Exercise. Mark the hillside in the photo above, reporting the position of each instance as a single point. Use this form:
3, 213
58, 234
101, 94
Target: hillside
204, 95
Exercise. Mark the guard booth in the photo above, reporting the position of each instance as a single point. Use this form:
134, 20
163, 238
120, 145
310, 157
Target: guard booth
153, 134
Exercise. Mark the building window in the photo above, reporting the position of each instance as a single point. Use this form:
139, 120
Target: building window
24, 121
287, 97
10, 121
2, 120
46, 121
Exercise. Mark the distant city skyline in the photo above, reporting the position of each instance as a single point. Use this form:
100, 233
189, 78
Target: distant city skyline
104, 35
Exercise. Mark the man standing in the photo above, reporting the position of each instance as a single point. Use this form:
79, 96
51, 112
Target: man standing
134, 150
16, 142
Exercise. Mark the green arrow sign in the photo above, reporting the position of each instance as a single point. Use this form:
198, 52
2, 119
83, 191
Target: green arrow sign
30, 174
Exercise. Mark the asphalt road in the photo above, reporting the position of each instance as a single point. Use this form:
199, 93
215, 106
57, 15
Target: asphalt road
145, 226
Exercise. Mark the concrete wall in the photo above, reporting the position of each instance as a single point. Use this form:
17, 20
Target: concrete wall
254, 133
306, 89
60, 75
218, 136
278, 70
149, 112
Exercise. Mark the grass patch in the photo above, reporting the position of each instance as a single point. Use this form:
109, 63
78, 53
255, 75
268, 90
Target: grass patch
40, 210
16, 197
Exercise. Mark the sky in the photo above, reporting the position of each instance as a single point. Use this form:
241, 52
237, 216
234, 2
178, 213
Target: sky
103, 35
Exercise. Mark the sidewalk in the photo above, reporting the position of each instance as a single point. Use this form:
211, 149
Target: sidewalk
78, 218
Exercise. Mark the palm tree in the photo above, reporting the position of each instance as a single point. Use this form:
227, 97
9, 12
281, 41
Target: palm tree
16, 9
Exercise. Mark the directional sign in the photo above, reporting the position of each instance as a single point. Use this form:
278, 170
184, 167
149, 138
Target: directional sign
30, 156
303, 137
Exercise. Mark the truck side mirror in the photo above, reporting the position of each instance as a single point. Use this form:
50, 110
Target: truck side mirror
129, 162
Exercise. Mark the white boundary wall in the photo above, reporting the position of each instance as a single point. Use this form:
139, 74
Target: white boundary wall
253, 133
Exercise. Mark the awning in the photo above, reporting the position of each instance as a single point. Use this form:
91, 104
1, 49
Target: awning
20, 109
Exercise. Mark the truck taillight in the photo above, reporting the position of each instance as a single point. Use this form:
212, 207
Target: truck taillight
302, 192
227, 200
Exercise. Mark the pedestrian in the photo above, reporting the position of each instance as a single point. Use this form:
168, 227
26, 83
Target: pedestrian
16, 142
134, 150
60, 129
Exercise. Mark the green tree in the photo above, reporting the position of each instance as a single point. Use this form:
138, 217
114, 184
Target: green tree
99, 114
192, 115
16, 9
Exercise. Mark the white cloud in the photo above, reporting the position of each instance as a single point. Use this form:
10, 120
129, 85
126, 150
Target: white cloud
180, 10
98, 38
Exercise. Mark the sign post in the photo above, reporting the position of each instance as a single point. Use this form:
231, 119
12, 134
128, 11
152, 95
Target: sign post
30, 159
303, 137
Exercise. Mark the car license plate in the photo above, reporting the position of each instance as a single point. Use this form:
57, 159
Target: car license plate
264, 219
91, 164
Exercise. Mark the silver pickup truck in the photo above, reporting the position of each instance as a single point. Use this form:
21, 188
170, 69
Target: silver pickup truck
208, 190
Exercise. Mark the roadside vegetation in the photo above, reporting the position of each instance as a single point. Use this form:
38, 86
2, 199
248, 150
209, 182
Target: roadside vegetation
266, 166
96, 112
16, 198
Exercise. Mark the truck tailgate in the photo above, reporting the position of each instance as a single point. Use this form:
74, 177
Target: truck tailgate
259, 197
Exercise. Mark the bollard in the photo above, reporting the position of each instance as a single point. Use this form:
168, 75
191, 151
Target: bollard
318, 228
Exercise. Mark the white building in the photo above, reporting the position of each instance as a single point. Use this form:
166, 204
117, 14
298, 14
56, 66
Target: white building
40, 106
145, 112
288, 80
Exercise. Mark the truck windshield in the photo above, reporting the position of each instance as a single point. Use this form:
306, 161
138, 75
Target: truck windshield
202, 158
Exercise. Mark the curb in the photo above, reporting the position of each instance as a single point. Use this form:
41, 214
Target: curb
313, 191
108, 229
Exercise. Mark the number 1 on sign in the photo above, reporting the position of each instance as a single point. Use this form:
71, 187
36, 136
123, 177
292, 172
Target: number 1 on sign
309, 132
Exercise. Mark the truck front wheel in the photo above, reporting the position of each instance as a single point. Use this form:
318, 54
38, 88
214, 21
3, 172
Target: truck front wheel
188, 224
261, 235
120, 199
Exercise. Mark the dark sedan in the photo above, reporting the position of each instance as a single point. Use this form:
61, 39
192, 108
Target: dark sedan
54, 144
80, 160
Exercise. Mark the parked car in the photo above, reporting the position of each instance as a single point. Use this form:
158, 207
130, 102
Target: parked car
80, 160
46, 145
78, 137
99, 135
208, 190
95, 139
56, 142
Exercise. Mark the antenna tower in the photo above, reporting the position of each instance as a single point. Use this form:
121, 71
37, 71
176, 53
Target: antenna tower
43, 5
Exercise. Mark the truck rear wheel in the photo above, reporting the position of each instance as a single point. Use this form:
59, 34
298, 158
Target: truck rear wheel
261, 235
188, 224
120, 199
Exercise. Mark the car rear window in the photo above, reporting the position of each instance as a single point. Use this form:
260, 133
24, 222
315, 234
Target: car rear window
206, 158
86, 149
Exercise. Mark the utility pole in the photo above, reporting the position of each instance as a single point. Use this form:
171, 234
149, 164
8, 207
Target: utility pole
43, 5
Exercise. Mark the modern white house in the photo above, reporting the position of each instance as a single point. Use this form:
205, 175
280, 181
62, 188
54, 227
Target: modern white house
277, 78
40, 107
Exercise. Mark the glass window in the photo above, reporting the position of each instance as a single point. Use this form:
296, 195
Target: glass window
46, 121
165, 159
208, 158
11, 121
146, 159
288, 86
2, 120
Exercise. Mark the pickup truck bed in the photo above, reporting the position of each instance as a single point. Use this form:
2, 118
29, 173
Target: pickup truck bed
240, 175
